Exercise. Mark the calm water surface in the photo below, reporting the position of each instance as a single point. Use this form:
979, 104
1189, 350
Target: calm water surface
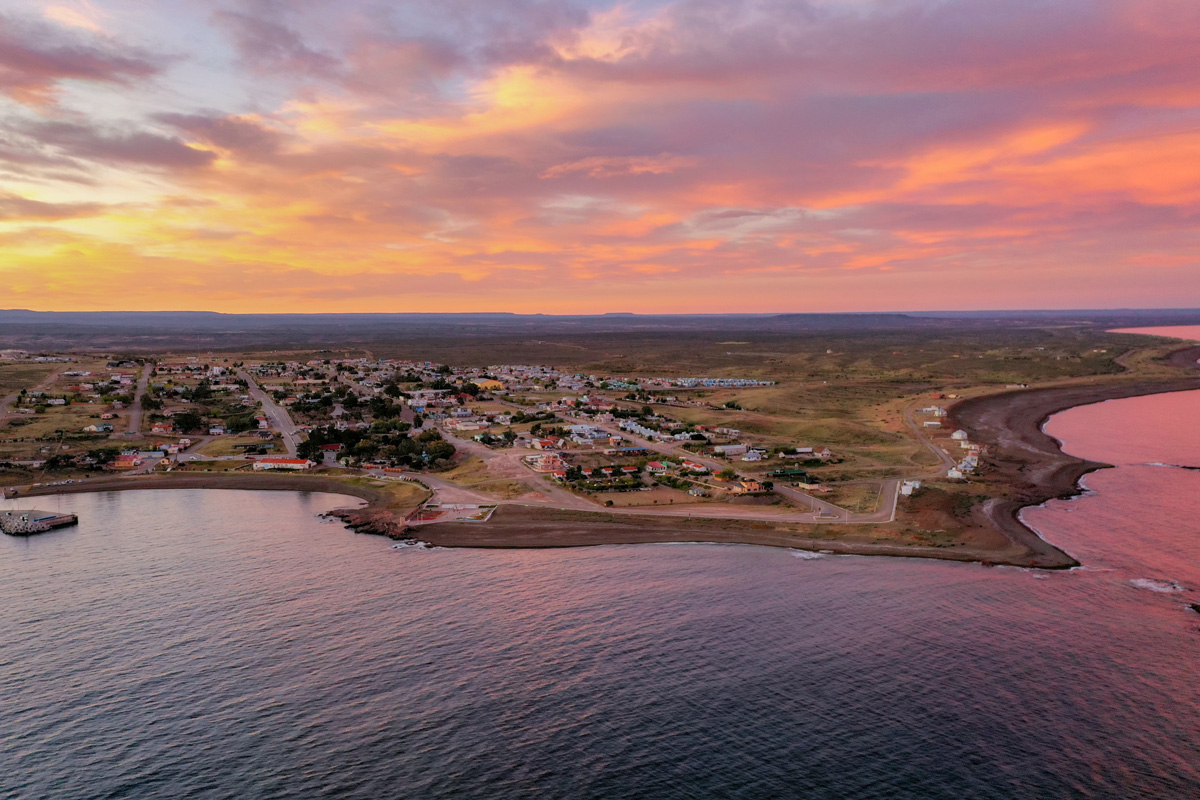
231, 644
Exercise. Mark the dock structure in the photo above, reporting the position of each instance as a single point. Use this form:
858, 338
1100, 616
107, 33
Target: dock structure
28, 523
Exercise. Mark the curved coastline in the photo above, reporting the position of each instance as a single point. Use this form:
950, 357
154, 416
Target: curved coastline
1025, 457
1031, 461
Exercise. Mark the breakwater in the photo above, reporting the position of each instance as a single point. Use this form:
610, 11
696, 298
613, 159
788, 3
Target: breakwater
27, 523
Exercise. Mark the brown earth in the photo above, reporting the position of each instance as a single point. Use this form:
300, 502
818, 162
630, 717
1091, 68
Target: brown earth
1031, 462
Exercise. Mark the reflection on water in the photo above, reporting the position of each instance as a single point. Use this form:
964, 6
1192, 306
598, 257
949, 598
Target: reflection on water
229, 644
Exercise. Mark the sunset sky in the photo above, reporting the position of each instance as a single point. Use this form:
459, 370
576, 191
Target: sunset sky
567, 156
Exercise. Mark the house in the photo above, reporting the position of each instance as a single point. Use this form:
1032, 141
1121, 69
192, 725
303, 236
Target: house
123, 462
692, 466
335, 447
263, 423
730, 449
931, 423
547, 462
696, 491
161, 428
824, 453
954, 474
283, 463
56, 401
658, 467
216, 430
908, 487
753, 455
629, 470
746, 486
959, 435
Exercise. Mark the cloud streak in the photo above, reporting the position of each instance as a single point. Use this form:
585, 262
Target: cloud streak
530, 155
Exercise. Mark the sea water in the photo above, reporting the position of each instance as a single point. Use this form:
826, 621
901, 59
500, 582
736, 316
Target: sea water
228, 644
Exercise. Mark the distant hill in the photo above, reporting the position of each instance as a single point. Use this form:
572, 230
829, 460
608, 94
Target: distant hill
206, 330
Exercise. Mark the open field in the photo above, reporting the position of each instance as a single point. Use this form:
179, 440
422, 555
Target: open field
861, 497
18, 376
233, 445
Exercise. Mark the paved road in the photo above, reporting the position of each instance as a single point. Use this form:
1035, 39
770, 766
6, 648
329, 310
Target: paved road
279, 418
135, 408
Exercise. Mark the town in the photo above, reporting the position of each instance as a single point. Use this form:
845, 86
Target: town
472, 437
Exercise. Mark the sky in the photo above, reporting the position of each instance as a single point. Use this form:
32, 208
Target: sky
584, 156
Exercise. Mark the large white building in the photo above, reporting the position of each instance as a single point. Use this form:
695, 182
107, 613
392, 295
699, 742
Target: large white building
284, 463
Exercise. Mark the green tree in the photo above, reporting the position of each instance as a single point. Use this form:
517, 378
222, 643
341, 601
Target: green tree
189, 421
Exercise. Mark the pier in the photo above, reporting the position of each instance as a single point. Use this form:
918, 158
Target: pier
28, 523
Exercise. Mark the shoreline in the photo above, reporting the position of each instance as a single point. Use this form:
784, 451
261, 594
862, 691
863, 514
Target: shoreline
1031, 461
1023, 456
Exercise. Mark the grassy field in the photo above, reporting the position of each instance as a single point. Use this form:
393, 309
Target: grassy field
471, 469
228, 445
861, 497
15, 377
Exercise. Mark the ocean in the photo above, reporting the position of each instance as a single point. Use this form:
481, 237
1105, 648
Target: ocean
232, 644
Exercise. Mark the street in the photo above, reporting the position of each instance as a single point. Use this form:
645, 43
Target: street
278, 417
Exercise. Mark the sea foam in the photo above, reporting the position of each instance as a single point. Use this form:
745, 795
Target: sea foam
1158, 585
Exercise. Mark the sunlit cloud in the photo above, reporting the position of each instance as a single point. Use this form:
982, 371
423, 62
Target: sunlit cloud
552, 155
82, 15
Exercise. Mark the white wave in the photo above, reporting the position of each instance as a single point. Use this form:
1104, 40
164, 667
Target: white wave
807, 555
1158, 585
415, 545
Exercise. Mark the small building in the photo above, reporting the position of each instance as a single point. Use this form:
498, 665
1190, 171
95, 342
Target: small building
954, 474
692, 466
658, 467
959, 435
730, 449
908, 487
283, 464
